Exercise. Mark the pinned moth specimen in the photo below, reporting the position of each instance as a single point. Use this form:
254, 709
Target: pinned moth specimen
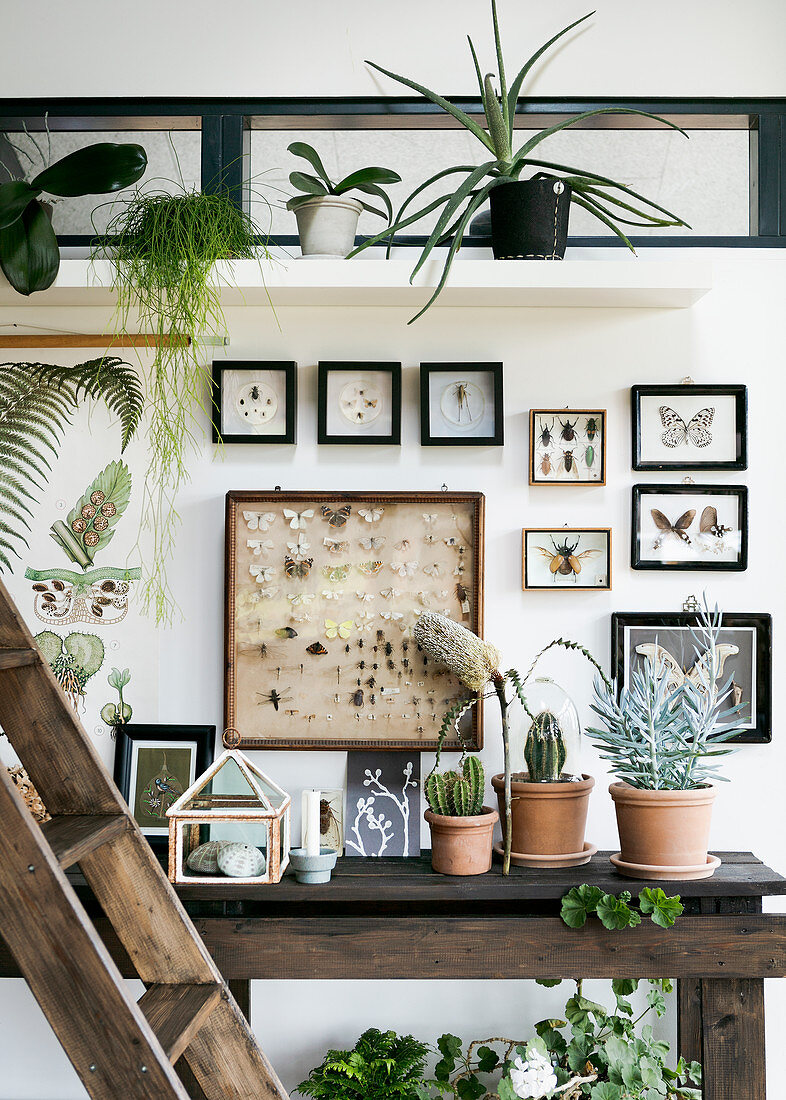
364, 597
286, 632
262, 573
334, 546
712, 533
336, 572
696, 431
463, 598
698, 674
260, 546
275, 697
259, 521
297, 520
390, 593
376, 542
430, 517
369, 568
365, 621
679, 529
563, 560
568, 430
338, 630
336, 517
334, 594
404, 568
371, 515
301, 598
403, 544
316, 649
298, 548
297, 570
433, 570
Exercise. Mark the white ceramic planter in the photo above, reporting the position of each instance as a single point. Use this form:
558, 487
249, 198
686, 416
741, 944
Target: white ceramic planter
327, 225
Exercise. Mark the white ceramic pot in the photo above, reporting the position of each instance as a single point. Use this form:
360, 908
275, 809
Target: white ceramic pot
327, 225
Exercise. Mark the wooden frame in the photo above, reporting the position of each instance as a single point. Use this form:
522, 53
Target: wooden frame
325, 435
330, 623
457, 438
704, 541
136, 734
540, 475
761, 656
739, 394
289, 371
566, 532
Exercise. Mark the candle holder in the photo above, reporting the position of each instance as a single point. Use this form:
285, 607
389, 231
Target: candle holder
315, 868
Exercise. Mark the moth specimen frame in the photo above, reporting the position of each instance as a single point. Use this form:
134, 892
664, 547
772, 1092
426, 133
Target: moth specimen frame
567, 446
689, 527
564, 558
462, 405
263, 395
355, 400
744, 658
689, 427
322, 591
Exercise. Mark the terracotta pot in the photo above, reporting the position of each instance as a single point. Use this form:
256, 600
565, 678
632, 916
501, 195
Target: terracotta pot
663, 834
548, 821
462, 845
327, 225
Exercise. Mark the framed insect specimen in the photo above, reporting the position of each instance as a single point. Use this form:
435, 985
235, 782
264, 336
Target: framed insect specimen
690, 527
573, 558
567, 447
744, 650
359, 403
154, 765
254, 402
461, 405
689, 427
322, 591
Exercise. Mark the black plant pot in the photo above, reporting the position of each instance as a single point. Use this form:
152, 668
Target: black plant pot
529, 219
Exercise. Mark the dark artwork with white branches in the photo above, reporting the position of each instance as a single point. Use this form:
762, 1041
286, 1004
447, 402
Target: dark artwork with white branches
383, 804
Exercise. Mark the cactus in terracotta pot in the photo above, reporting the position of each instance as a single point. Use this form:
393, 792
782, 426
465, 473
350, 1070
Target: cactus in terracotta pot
457, 794
544, 750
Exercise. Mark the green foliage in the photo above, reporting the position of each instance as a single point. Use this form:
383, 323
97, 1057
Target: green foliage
599, 195
73, 659
37, 401
457, 794
90, 524
369, 181
544, 750
380, 1066
615, 911
662, 737
115, 714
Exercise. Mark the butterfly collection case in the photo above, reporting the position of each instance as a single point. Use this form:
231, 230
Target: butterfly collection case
689, 427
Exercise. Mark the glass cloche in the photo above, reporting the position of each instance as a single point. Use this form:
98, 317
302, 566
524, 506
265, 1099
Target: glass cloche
549, 748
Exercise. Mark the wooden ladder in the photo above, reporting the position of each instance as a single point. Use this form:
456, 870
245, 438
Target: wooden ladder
118, 1046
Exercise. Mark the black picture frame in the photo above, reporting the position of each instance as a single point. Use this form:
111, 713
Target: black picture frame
428, 439
761, 732
134, 734
740, 395
288, 368
703, 565
325, 369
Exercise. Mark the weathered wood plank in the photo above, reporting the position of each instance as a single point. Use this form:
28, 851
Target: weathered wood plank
689, 1019
212, 1056
733, 1039
177, 1012
17, 658
74, 836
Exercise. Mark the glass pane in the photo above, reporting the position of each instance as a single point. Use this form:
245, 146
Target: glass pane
171, 155
248, 862
705, 180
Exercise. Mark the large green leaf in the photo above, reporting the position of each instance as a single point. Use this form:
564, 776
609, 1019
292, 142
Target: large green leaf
309, 153
543, 134
373, 189
304, 181
367, 175
515, 87
101, 506
15, 195
95, 170
29, 255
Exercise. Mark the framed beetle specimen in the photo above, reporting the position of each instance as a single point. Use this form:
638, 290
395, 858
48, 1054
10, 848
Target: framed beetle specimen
359, 403
690, 527
254, 402
743, 649
322, 591
689, 427
573, 558
567, 447
461, 405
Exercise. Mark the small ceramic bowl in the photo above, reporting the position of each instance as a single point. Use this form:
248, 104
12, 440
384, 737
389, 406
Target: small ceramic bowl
313, 869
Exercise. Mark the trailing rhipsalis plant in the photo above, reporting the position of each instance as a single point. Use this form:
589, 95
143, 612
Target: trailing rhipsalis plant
457, 794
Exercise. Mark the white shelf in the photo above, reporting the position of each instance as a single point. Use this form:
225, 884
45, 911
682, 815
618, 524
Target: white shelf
659, 284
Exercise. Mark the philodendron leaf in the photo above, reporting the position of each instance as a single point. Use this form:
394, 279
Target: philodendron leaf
662, 909
95, 170
579, 903
29, 254
615, 913
15, 195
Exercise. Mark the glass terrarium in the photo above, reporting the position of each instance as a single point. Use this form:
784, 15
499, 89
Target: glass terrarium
231, 824
549, 745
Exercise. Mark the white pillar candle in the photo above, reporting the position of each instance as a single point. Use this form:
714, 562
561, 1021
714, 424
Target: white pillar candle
310, 824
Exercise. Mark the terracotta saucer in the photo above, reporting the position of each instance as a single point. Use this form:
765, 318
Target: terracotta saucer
673, 874
570, 859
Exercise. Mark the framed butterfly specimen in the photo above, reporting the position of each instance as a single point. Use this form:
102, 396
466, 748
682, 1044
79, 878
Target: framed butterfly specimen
686, 527
743, 653
254, 402
571, 558
323, 590
567, 446
461, 405
689, 427
359, 403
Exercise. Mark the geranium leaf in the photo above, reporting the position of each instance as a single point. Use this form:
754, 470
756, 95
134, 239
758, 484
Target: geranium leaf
579, 903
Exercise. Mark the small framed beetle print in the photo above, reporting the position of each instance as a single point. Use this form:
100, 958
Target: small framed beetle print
573, 558
567, 447
254, 402
689, 427
461, 405
359, 403
688, 527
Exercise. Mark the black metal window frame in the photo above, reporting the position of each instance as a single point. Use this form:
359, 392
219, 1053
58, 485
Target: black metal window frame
225, 126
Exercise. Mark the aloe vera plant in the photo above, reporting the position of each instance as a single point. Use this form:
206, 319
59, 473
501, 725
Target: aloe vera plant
457, 793
604, 198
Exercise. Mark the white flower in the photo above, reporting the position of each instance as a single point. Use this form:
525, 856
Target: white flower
534, 1078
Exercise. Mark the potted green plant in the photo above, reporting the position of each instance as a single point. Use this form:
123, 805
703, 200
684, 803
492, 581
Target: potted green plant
462, 828
29, 253
529, 217
381, 1065
327, 215
662, 743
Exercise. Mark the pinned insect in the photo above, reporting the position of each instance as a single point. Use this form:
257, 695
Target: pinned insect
564, 561
591, 428
589, 456
357, 698
297, 570
463, 412
273, 696
286, 632
545, 436
336, 517
567, 464
678, 432
336, 572
316, 649
679, 528
568, 430
545, 464
708, 524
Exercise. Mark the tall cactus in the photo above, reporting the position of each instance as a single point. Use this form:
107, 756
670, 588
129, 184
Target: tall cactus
457, 794
544, 751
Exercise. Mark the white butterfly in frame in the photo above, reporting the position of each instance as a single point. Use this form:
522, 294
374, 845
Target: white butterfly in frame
365, 620
376, 542
430, 517
267, 593
371, 515
260, 546
678, 432
259, 521
698, 673
390, 593
298, 548
297, 520
304, 598
365, 597
261, 573
334, 546
393, 617
404, 568
327, 594
433, 570
403, 544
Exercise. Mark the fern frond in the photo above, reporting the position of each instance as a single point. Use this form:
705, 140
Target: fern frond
37, 402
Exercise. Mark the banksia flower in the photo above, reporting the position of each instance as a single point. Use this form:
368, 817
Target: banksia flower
463, 653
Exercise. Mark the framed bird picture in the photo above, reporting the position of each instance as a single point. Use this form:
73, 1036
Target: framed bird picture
154, 765
322, 592
690, 527
571, 558
689, 427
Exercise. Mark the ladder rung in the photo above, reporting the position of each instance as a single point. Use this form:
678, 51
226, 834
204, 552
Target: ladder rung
74, 836
17, 658
177, 1012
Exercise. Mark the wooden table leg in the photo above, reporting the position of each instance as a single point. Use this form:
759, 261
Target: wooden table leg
733, 1039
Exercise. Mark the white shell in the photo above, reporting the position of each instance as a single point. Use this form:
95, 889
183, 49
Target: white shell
205, 857
240, 861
